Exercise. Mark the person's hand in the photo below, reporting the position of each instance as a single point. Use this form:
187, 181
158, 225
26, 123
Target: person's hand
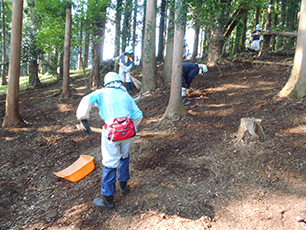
86, 126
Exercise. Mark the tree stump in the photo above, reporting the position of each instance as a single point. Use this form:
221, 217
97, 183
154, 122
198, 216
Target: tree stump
248, 126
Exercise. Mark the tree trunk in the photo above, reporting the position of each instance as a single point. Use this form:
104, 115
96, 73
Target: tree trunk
160, 54
143, 29
175, 109
267, 38
66, 76
126, 32
195, 43
80, 48
215, 46
296, 85
149, 81
117, 32
95, 72
280, 42
239, 30
4, 52
86, 50
135, 25
290, 23
33, 69
33, 66
243, 37
12, 114
169, 45
98, 51
61, 64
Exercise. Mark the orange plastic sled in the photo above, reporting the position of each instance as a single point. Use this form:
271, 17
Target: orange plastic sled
78, 170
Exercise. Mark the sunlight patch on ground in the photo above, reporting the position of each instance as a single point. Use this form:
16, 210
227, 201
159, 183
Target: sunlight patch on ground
156, 220
221, 113
227, 87
71, 219
301, 129
56, 128
257, 207
81, 88
270, 83
64, 107
217, 105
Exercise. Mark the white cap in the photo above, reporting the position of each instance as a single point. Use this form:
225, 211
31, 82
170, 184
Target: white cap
203, 69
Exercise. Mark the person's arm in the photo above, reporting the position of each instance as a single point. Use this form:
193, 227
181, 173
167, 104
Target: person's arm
84, 109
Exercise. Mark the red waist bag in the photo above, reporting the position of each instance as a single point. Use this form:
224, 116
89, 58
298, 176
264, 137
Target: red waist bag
122, 128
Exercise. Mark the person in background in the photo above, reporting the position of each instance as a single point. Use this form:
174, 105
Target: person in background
256, 38
190, 70
126, 61
186, 49
113, 102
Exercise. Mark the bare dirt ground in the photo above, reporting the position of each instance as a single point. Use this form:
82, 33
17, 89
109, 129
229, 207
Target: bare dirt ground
193, 177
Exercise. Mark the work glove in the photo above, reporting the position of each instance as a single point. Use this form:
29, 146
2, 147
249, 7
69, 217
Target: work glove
86, 126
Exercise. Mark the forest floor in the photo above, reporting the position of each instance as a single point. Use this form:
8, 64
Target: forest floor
193, 177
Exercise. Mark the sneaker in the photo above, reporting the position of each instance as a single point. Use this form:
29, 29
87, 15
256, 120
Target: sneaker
124, 188
103, 203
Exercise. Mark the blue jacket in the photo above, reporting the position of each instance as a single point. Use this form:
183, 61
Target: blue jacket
190, 70
123, 58
257, 36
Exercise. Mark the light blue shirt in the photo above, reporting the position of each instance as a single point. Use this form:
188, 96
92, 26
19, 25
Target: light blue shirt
114, 103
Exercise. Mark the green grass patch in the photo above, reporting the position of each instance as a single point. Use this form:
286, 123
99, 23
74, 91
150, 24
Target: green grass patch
44, 78
24, 81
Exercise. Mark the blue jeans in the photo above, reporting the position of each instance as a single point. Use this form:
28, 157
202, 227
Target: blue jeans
108, 186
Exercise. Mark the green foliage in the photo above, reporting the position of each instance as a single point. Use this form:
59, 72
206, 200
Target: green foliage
181, 11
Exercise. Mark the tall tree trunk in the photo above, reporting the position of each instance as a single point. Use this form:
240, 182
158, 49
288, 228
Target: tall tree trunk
215, 46
12, 114
243, 37
275, 22
80, 48
86, 50
126, 32
98, 49
280, 39
66, 76
61, 64
292, 5
135, 25
143, 29
195, 44
149, 81
33, 69
4, 52
239, 30
117, 32
169, 45
267, 38
33, 65
296, 85
161, 39
175, 109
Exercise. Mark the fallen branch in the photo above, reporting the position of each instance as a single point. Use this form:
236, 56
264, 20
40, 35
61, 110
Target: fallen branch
268, 63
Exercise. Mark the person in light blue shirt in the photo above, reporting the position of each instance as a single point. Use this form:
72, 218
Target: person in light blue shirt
113, 102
